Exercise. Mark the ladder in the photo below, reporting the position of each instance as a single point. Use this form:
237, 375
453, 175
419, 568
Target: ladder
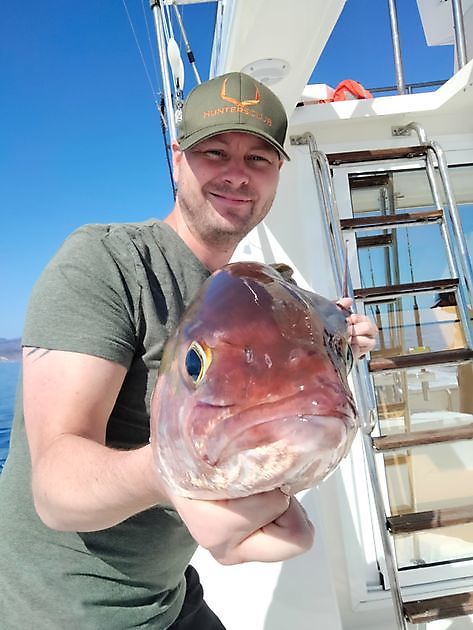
396, 360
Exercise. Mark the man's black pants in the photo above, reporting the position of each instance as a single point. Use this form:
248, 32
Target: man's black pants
195, 614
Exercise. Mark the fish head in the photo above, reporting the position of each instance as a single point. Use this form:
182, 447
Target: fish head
252, 392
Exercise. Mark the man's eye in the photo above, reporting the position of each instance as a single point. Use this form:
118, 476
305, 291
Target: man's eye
215, 153
259, 159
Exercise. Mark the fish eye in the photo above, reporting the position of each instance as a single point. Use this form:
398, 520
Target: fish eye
197, 361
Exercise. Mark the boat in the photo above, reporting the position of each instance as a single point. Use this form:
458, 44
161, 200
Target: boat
378, 178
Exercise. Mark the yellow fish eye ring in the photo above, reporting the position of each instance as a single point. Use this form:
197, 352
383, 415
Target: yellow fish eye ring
198, 360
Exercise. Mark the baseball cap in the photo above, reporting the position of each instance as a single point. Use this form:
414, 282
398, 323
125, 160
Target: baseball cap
233, 102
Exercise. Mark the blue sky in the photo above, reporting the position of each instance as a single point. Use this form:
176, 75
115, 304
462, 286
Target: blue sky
81, 139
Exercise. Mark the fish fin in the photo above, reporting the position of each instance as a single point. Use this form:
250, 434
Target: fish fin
284, 270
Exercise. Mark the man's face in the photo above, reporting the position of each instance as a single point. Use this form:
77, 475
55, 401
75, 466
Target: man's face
226, 186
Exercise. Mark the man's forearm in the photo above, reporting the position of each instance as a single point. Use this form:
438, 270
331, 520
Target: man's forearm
80, 485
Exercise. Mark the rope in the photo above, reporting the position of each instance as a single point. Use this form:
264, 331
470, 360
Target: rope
153, 91
166, 146
159, 105
152, 49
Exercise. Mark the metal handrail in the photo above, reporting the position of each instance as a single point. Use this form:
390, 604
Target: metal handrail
430, 170
401, 88
361, 378
409, 87
460, 264
460, 44
364, 390
459, 28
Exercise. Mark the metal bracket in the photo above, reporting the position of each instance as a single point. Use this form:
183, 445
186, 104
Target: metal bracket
298, 140
401, 131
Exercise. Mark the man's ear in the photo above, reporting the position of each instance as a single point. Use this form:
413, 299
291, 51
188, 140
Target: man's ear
176, 160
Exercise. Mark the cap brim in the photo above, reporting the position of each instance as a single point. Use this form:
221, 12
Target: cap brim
208, 132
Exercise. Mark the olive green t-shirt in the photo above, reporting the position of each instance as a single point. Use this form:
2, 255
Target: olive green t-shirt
113, 291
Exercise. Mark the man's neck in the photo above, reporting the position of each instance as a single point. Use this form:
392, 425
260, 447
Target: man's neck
211, 257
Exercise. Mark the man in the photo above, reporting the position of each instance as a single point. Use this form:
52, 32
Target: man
90, 536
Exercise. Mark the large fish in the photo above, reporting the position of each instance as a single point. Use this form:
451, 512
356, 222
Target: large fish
252, 391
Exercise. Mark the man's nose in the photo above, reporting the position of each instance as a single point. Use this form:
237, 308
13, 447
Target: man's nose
236, 173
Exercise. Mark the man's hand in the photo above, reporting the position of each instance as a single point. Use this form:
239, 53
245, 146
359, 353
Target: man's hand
265, 527
363, 331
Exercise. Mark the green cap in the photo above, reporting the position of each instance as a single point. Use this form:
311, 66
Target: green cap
233, 102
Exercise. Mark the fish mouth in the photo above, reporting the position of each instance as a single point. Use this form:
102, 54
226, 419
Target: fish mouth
316, 426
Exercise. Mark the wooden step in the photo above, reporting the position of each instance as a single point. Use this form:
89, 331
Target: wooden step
392, 220
420, 359
377, 180
378, 240
446, 607
418, 438
430, 519
352, 157
391, 291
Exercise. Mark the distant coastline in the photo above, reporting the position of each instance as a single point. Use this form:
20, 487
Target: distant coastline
10, 350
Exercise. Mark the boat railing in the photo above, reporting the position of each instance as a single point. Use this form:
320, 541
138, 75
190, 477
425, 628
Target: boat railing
410, 88
459, 33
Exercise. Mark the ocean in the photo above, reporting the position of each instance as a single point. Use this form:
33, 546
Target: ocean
9, 373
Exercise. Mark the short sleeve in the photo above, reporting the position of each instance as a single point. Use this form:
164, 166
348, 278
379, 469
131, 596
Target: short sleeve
86, 299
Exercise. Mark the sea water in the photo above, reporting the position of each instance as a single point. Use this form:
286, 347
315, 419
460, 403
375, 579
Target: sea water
9, 373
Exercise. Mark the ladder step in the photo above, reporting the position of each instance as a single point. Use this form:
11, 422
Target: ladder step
446, 607
420, 359
430, 519
371, 294
378, 240
392, 220
351, 157
369, 181
418, 438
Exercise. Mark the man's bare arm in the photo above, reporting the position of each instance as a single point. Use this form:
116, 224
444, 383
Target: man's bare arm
78, 483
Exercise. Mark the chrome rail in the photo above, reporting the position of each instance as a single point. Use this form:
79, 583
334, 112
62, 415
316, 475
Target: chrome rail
459, 29
410, 87
362, 380
401, 87
459, 258
459, 35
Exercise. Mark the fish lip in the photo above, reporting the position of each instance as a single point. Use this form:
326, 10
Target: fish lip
235, 425
318, 437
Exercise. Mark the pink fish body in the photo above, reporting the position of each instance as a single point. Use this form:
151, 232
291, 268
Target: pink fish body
252, 392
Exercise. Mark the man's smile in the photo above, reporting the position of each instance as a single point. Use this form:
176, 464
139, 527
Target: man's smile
230, 199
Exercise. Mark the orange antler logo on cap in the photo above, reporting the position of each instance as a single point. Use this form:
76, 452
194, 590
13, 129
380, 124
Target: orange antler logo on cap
235, 101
